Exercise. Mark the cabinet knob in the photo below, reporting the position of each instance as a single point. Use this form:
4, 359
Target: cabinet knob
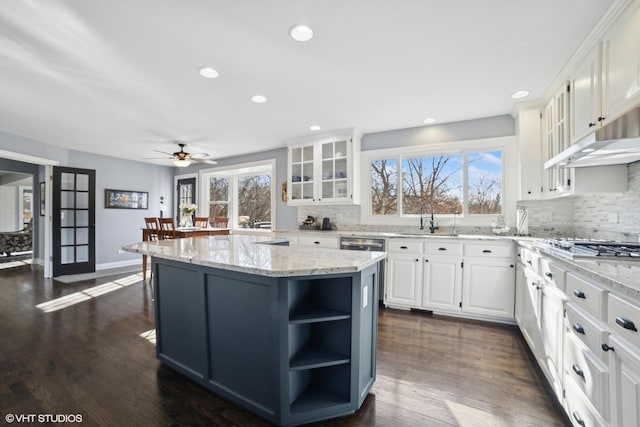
529, 262
591, 125
600, 119
316, 243
417, 260
426, 260
487, 251
578, 328
626, 323
578, 418
442, 249
605, 347
404, 247
579, 294
578, 371
549, 275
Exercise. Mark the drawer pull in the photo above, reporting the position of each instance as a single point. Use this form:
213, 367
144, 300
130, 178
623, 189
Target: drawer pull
316, 243
578, 371
579, 294
605, 347
626, 323
578, 328
578, 418
487, 251
442, 249
529, 262
549, 275
404, 247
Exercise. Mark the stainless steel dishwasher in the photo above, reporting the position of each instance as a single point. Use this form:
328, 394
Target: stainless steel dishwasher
367, 244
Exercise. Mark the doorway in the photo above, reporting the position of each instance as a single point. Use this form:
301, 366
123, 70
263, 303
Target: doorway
186, 191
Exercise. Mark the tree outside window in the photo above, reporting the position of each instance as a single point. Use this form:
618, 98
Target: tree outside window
254, 201
218, 197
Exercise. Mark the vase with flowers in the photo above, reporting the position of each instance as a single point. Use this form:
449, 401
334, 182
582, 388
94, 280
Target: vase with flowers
188, 210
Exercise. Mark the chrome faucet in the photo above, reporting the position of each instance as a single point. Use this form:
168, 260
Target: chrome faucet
422, 217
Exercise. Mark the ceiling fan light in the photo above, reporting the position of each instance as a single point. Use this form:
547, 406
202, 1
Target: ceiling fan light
181, 163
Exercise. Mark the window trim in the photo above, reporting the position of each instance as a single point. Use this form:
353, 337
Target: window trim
233, 172
507, 144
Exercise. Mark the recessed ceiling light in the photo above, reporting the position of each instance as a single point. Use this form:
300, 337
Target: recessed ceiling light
520, 94
314, 127
429, 121
301, 33
259, 99
208, 73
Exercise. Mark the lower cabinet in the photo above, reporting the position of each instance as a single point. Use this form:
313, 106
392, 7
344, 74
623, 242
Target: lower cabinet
625, 382
435, 275
552, 328
404, 272
488, 287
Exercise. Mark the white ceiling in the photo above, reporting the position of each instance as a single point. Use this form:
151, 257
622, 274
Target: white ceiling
120, 77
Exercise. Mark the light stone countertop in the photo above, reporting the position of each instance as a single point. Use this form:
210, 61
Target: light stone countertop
257, 255
389, 235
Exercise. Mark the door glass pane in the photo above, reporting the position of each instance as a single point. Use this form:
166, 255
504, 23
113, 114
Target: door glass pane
341, 149
67, 218
327, 190
327, 169
82, 182
67, 255
82, 254
296, 155
341, 168
186, 194
327, 150
82, 236
82, 218
66, 199
67, 181
66, 236
307, 172
307, 154
82, 200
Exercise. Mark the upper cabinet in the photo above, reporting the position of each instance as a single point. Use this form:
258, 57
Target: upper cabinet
606, 83
556, 135
324, 168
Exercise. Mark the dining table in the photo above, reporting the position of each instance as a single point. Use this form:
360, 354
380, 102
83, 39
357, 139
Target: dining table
181, 233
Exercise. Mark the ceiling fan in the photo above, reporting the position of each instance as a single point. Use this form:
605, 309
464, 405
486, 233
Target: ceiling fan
183, 159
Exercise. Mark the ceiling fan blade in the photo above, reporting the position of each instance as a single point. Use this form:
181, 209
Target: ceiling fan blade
200, 155
164, 152
157, 158
207, 161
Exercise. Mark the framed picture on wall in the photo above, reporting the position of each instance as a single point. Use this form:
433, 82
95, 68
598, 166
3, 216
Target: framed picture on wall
42, 198
125, 199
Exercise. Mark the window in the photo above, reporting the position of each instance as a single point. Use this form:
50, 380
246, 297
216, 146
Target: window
243, 193
448, 181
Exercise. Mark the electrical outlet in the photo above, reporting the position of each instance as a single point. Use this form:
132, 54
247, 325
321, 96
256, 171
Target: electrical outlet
613, 218
545, 217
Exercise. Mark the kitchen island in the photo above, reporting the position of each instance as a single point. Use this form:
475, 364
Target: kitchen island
287, 334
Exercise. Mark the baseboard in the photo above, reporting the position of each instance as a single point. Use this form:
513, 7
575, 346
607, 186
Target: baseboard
118, 264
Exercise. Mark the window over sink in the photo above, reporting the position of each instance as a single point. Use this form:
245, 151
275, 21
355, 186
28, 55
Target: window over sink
463, 179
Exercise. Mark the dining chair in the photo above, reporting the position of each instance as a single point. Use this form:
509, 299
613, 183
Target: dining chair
153, 229
167, 228
202, 222
221, 222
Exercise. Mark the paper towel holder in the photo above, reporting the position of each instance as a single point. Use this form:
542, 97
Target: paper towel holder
522, 221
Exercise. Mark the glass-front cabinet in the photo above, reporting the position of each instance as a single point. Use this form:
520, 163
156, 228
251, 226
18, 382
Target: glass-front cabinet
324, 169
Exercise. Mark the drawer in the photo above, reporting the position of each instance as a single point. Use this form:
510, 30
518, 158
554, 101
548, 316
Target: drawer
580, 414
588, 373
587, 294
408, 246
624, 319
324, 242
443, 248
488, 250
530, 259
593, 333
552, 272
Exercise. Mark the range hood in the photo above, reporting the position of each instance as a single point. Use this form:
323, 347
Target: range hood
614, 144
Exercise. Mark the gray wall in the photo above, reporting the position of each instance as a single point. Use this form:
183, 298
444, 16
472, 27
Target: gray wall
489, 127
285, 215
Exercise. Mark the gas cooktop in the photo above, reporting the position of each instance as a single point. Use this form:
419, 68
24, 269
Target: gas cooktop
594, 248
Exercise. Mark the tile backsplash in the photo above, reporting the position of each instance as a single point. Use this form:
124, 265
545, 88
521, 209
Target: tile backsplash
611, 216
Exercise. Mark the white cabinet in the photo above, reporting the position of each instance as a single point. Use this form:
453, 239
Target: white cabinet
625, 382
556, 134
530, 154
552, 327
319, 242
586, 95
530, 328
404, 275
324, 169
468, 279
621, 65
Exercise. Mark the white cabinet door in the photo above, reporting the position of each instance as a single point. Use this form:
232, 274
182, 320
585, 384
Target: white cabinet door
488, 288
441, 283
625, 382
403, 275
551, 325
621, 66
585, 95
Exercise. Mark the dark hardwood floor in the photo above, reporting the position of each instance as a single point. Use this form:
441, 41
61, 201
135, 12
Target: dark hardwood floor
89, 359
